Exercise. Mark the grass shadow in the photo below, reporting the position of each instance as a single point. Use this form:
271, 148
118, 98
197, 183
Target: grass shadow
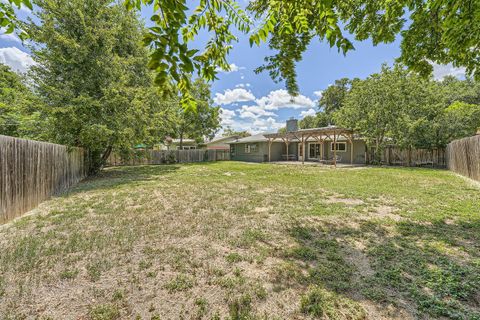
421, 270
114, 177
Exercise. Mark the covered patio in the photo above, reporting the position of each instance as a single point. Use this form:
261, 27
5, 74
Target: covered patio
320, 135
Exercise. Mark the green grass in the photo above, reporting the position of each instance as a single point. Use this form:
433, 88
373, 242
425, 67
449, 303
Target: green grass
231, 240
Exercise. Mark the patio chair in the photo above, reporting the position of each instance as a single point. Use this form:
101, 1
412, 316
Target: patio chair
331, 160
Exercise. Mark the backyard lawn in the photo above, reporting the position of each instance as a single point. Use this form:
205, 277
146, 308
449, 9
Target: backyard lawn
231, 240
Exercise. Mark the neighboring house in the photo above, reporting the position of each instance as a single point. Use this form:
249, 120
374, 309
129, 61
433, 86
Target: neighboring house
221, 143
329, 144
187, 144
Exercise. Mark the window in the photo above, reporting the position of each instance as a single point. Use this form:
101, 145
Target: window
250, 148
341, 146
232, 149
186, 148
313, 150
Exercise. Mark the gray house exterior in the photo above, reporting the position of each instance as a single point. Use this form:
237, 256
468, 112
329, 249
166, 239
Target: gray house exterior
318, 143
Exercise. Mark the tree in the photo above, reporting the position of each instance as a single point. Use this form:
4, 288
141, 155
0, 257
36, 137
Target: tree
91, 73
8, 18
457, 121
201, 122
440, 31
229, 131
333, 97
321, 119
176, 26
375, 107
401, 108
19, 107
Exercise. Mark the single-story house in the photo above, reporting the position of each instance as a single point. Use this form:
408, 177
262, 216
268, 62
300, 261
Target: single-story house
221, 143
174, 144
330, 144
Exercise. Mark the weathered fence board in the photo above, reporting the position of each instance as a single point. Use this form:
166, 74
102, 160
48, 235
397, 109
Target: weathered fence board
463, 157
32, 171
164, 156
394, 156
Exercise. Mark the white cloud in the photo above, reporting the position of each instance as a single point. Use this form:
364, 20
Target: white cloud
235, 95
242, 85
309, 112
226, 117
233, 68
318, 94
441, 71
16, 59
282, 99
254, 112
266, 125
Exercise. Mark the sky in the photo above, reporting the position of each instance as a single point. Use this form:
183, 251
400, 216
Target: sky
254, 102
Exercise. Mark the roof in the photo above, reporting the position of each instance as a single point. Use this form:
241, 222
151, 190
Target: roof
323, 131
184, 141
310, 134
218, 139
255, 138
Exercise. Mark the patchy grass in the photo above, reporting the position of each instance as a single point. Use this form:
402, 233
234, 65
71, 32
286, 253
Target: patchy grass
261, 242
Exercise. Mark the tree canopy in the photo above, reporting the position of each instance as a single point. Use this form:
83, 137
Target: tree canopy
20, 114
401, 108
440, 31
91, 71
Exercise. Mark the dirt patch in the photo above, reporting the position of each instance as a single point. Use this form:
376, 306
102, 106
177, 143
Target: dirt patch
356, 256
263, 209
265, 190
346, 201
386, 212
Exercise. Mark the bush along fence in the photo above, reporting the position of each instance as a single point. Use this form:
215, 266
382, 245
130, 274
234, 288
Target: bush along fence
409, 157
33, 171
145, 157
463, 157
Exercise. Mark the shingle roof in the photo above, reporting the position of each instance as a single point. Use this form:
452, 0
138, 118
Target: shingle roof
217, 139
255, 138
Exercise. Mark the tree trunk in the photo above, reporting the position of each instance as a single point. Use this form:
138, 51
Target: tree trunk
97, 160
181, 140
106, 154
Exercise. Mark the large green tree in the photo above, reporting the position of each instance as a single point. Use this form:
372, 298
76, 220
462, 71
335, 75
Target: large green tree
401, 108
375, 107
441, 31
8, 17
201, 122
321, 119
20, 108
91, 72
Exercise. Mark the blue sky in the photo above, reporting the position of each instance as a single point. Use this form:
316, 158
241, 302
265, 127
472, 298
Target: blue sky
254, 102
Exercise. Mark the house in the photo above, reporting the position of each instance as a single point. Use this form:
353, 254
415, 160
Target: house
221, 143
174, 144
330, 144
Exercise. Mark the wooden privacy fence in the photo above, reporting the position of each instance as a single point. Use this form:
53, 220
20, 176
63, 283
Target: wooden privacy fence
394, 156
463, 157
168, 156
32, 171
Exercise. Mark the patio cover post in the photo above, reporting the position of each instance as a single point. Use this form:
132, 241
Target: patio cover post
351, 149
335, 149
321, 142
303, 149
286, 141
270, 140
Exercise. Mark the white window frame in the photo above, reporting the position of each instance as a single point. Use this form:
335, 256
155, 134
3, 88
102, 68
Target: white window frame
250, 148
308, 151
338, 150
